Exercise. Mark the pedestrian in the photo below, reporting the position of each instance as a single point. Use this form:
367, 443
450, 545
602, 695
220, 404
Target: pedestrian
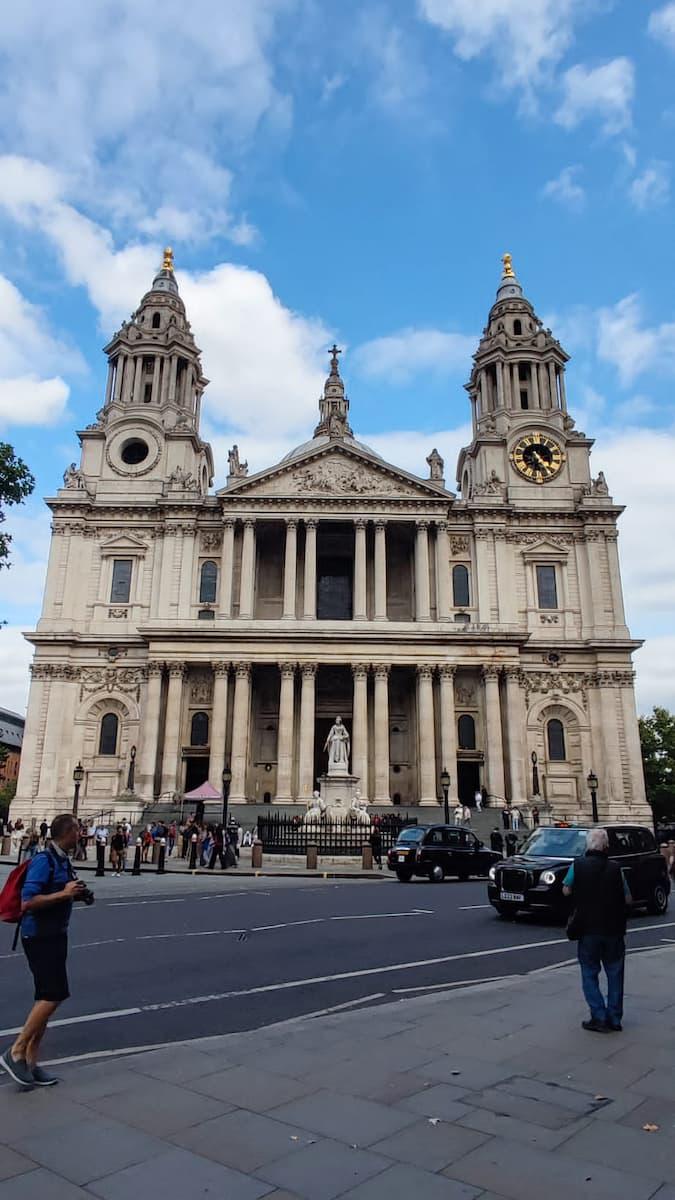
233, 835
466, 815
47, 896
506, 817
376, 845
186, 833
44, 830
515, 819
146, 837
484, 796
171, 837
535, 816
511, 843
497, 841
600, 898
218, 848
458, 814
478, 799
118, 850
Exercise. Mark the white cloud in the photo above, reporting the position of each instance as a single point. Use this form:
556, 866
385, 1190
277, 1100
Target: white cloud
652, 187
16, 655
398, 76
662, 25
400, 356
605, 92
28, 400
565, 188
630, 345
526, 39
108, 93
654, 683
408, 448
28, 352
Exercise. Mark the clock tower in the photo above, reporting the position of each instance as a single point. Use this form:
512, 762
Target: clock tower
525, 448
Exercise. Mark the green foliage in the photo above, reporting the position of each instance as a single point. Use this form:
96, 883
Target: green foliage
16, 483
7, 794
657, 739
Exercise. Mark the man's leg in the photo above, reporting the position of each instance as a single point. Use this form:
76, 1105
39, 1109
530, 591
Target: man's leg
589, 951
613, 960
27, 1043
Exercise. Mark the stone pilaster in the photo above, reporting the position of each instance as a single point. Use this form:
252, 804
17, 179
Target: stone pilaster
360, 727
515, 734
247, 589
226, 567
240, 731
309, 603
422, 599
360, 570
172, 721
493, 735
448, 723
380, 571
442, 572
285, 733
381, 734
218, 723
307, 717
427, 738
150, 732
290, 570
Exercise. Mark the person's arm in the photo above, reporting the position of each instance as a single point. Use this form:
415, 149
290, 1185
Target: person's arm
33, 894
568, 882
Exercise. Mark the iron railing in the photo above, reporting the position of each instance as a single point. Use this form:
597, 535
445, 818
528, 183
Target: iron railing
281, 834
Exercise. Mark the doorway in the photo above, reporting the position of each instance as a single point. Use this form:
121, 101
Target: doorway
196, 771
468, 781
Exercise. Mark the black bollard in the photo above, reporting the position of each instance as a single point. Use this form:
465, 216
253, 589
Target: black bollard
161, 857
193, 853
136, 869
100, 859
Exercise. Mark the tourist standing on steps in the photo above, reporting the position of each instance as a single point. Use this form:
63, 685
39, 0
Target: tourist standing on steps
600, 897
478, 799
506, 817
48, 892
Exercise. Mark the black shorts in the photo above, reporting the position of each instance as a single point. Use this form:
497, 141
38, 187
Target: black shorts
47, 961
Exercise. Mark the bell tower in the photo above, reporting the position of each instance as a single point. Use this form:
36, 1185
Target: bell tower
523, 435
146, 435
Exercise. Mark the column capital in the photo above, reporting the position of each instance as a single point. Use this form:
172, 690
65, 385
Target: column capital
229, 523
360, 522
308, 670
422, 525
447, 671
380, 523
291, 522
311, 523
154, 668
489, 672
220, 667
177, 670
287, 669
249, 522
513, 674
360, 670
442, 526
242, 670
425, 671
381, 670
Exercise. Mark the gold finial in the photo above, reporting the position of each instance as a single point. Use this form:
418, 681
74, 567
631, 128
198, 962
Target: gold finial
167, 264
508, 266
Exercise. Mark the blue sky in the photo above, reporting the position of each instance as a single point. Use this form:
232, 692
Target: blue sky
350, 171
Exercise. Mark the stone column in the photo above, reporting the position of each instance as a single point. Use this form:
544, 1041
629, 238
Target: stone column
109, 384
119, 377
138, 376
516, 735
309, 602
360, 612
381, 735
442, 571
427, 736
150, 732
493, 736
172, 722
542, 375
172, 377
240, 731
563, 390
290, 569
218, 724
247, 588
481, 593
285, 734
500, 384
552, 386
448, 724
226, 565
536, 403
422, 603
515, 386
306, 774
612, 551
156, 369
380, 571
360, 727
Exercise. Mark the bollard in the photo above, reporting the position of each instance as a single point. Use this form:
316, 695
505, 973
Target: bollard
100, 858
136, 869
367, 858
161, 857
193, 852
312, 858
256, 856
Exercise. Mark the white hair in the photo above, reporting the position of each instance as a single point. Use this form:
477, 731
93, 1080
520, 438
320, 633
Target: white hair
596, 839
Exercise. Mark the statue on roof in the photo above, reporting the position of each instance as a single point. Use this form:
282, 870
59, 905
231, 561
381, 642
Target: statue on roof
236, 469
436, 465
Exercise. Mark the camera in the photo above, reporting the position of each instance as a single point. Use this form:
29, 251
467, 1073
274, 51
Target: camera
87, 896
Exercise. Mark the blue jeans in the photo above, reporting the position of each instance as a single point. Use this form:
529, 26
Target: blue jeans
609, 952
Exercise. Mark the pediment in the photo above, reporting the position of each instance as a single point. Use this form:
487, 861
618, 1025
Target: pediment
336, 471
543, 548
123, 543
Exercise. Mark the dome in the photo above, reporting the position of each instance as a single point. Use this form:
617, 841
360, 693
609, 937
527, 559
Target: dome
324, 440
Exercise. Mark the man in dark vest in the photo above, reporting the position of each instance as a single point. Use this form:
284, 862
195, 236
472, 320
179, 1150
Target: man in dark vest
600, 897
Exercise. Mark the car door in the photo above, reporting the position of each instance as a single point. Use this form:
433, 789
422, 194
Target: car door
622, 849
465, 853
647, 864
434, 844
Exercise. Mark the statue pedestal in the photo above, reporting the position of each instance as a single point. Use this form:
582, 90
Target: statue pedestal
337, 792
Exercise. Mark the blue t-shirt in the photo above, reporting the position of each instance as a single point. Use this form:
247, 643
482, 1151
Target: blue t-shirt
48, 873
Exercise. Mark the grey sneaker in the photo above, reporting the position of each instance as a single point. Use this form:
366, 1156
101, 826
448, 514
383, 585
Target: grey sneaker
43, 1078
17, 1068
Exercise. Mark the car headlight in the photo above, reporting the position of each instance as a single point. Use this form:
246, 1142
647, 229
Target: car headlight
547, 877
492, 873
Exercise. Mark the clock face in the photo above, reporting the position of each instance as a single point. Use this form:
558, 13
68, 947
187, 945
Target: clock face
537, 457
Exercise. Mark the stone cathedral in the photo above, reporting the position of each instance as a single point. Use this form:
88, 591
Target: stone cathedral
183, 630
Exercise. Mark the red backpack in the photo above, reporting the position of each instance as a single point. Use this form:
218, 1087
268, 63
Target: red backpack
10, 895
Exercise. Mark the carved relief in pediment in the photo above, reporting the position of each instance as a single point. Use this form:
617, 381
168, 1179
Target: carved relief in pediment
334, 477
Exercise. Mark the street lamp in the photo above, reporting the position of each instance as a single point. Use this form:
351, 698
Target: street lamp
592, 781
227, 780
78, 776
445, 784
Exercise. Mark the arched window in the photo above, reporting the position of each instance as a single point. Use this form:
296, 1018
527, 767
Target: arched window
107, 742
460, 586
555, 733
199, 729
517, 327
207, 583
466, 732
156, 320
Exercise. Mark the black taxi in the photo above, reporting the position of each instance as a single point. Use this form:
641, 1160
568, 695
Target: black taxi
434, 851
532, 879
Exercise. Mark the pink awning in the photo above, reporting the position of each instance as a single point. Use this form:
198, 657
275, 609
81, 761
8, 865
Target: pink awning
203, 792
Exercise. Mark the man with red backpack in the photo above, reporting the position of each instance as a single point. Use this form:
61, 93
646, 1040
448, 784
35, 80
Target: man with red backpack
48, 890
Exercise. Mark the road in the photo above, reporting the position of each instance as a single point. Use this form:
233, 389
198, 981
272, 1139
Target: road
157, 961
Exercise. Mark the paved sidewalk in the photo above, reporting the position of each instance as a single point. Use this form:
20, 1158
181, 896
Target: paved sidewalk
489, 1092
273, 866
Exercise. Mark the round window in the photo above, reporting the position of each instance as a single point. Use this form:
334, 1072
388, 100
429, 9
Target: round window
134, 451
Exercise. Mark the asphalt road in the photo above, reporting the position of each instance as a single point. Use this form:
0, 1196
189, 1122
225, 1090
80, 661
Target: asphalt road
157, 961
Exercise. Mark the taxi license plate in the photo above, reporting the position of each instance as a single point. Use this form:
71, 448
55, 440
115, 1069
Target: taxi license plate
517, 896
401, 858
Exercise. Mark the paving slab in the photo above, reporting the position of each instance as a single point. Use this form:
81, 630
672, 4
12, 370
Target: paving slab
178, 1064
356, 1121
253, 1087
89, 1148
158, 1107
244, 1140
650, 1155
404, 1181
514, 1128
24, 1111
12, 1163
324, 1170
431, 1147
41, 1185
440, 1100
179, 1175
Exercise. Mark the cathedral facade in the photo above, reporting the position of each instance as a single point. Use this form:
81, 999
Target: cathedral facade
480, 631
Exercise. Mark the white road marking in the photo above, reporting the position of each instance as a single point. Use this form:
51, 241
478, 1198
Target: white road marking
416, 912
433, 987
184, 899
470, 907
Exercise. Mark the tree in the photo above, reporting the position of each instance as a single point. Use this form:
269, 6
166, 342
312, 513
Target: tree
657, 739
16, 483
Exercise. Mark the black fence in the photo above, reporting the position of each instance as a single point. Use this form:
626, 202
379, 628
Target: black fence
281, 834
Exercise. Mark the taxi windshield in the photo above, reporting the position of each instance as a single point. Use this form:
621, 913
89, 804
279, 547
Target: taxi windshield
415, 834
555, 843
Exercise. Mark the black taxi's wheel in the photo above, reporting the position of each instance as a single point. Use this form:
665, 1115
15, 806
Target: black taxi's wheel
659, 900
437, 874
404, 876
507, 911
